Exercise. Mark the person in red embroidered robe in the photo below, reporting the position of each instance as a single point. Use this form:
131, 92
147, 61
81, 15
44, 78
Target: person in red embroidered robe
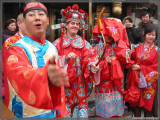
36, 83
109, 87
22, 32
77, 58
145, 63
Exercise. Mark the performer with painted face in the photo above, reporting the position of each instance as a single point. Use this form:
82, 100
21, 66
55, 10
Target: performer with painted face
79, 58
109, 88
36, 84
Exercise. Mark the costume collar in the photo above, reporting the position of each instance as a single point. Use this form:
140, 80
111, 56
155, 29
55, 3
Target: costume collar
43, 42
20, 34
75, 42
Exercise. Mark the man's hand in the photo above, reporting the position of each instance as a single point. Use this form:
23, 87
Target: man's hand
109, 60
70, 56
57, 77
128, 25
94, 68
135, 67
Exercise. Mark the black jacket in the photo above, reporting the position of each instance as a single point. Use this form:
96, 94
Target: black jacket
133, 35
7, 34
140, 30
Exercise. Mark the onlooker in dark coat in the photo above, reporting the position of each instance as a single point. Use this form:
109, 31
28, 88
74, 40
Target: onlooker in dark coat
145, 17
156, 40
132, 33
9, 29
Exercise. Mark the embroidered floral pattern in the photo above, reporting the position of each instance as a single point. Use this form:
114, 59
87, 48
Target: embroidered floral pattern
150, 79
147, 54
112, 29
76, 42
28, 74
31, 98
12, 59
77, 70
109, 51
12, 40
133, 50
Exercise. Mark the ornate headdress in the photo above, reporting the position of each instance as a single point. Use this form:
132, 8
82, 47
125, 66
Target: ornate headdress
73, 13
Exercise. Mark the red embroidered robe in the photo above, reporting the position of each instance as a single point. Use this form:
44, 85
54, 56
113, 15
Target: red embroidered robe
29, 81
149, 66
78, 73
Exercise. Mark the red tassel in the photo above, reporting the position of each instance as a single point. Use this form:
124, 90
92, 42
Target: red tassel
83, 30
85, 18
61, 40
86, 14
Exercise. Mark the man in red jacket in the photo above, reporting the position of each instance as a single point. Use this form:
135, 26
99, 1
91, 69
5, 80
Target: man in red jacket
36, 84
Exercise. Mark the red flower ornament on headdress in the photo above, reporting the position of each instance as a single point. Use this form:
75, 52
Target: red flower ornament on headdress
81, 11
69, 7
73, 13
75, 7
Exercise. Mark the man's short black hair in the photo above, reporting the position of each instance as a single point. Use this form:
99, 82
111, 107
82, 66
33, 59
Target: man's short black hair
145, 13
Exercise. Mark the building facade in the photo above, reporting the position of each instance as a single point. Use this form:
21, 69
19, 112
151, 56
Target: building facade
113, 9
